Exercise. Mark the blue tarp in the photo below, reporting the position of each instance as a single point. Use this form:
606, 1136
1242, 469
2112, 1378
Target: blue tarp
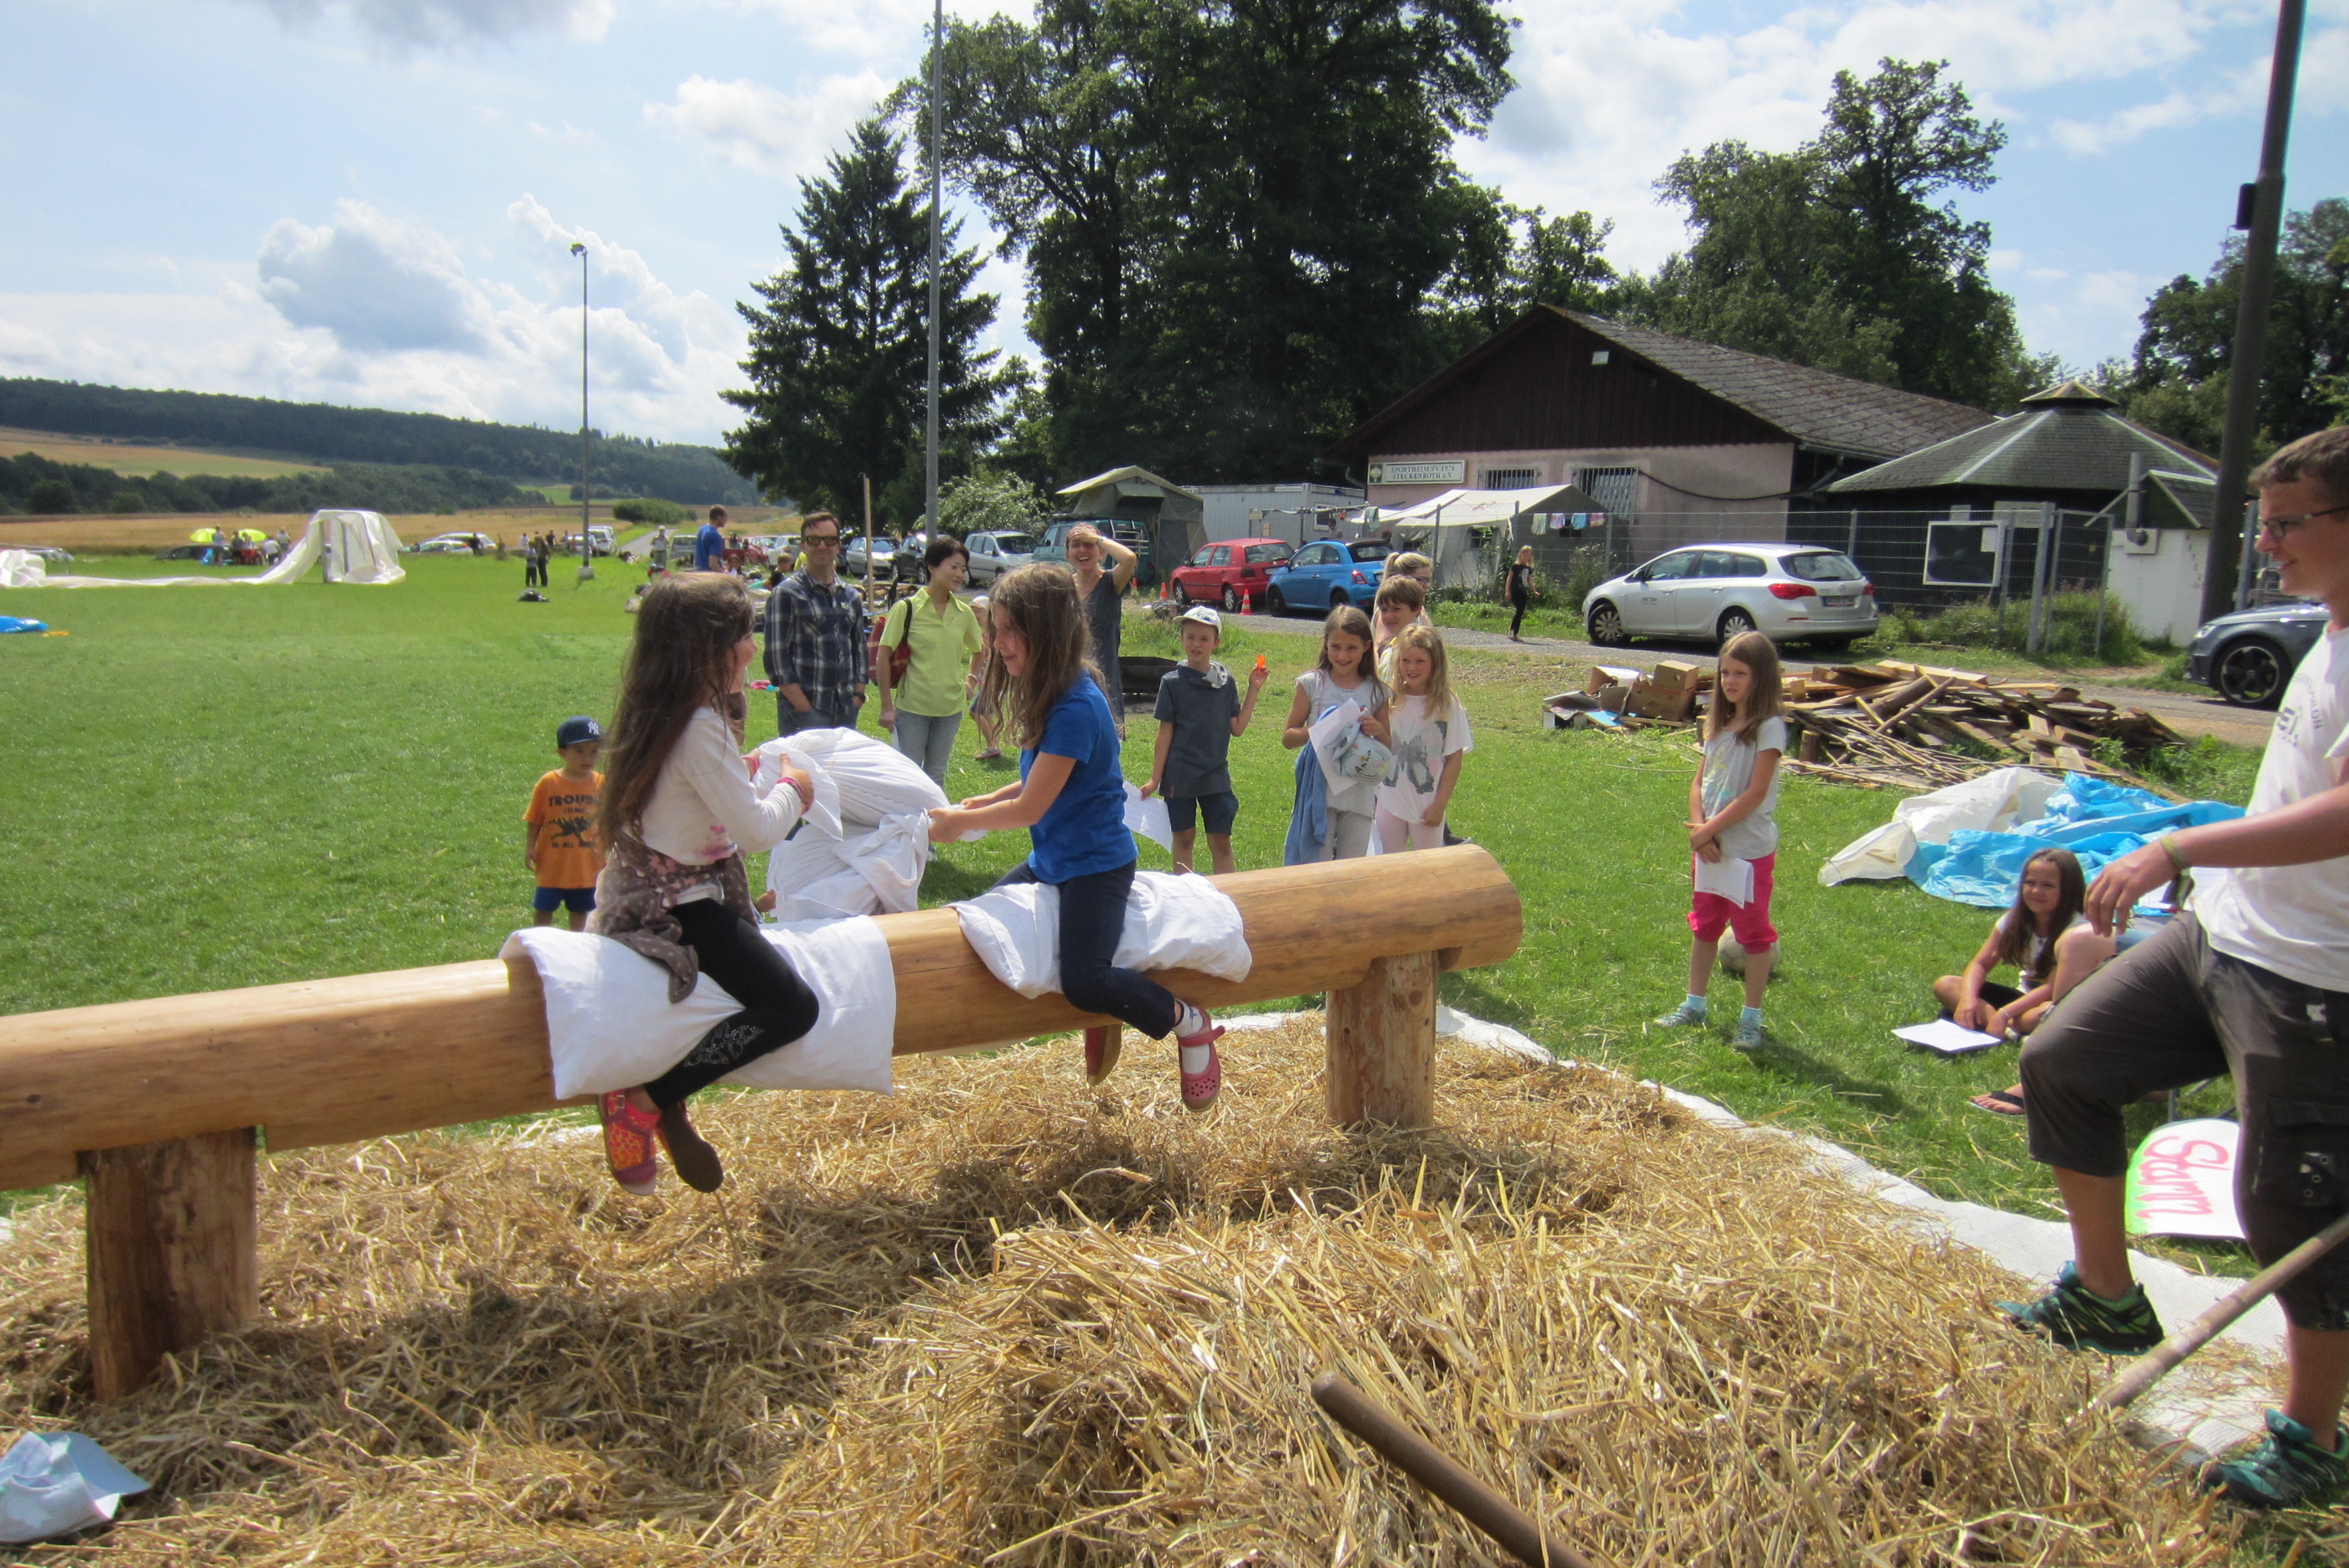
2095, 820
19, 623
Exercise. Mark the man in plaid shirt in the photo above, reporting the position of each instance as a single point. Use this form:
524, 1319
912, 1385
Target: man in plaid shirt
815, 637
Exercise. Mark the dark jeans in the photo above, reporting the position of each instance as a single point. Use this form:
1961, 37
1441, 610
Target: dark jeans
1519, 618
1092, 919
777, 1005
2172, 1011
789, 720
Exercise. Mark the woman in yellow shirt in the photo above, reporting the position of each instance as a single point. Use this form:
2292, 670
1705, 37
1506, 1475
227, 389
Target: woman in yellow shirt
923, 708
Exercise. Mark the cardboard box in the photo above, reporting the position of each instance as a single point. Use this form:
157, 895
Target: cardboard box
1673, 706
1616, 699
1605, 675
1673, 674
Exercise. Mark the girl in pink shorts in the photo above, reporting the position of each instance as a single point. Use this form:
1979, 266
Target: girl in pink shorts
1733, 831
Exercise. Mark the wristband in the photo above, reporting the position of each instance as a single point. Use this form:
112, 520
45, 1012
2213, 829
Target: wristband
798, 789
2169, 847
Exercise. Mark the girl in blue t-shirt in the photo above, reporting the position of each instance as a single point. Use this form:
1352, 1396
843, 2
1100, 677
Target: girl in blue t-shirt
1070, 798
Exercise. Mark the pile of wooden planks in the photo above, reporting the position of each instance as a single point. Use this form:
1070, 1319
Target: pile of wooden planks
1921, 726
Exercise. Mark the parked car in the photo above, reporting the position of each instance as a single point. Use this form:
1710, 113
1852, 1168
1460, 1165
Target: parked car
1326, 574
184, 552
2248, 657
455, 544
1053, 546
55, 555
1223, 574
993, 555
884, 556
598, 535
1711, 593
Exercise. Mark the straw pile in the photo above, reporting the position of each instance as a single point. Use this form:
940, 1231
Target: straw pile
1006, 1319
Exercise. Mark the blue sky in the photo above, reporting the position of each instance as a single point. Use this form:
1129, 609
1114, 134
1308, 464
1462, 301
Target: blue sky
371, 202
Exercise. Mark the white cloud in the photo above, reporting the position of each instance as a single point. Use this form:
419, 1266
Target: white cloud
2245, 88
764, 130
376, 283
442, 24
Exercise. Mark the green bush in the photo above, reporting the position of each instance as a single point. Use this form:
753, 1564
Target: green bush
50, 497
651, 511
2069, 635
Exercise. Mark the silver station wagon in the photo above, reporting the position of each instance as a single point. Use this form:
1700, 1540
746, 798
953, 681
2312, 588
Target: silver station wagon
1711, 593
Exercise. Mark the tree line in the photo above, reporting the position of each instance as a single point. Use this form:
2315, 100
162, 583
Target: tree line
328, 433
32, 483
1244, 232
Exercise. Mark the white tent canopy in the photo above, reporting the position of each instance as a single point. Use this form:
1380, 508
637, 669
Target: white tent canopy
1486, 508
354, 546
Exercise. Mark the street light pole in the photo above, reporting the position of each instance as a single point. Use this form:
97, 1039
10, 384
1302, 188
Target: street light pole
2259, 210
587, 549
930, 450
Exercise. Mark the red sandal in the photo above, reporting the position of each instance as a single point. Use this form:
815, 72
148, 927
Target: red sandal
1200, 1089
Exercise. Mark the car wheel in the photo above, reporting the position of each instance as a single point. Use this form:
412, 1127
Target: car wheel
2250, 673
1606, 626
1231, 600
1831, 644
1734, 624
1275, 602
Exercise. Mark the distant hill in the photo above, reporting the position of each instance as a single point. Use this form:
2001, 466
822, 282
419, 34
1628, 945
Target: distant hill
325, 433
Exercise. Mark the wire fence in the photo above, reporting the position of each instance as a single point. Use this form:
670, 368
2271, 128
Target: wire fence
2029, 576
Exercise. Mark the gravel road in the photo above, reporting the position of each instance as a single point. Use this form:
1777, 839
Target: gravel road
2186, 714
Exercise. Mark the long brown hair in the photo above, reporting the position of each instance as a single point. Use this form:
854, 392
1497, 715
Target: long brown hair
683, 653
1766, 694
1352, 620
1040, 601
2018, 934
1439, 678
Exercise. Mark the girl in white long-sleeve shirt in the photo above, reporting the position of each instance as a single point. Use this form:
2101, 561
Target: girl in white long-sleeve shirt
679, 809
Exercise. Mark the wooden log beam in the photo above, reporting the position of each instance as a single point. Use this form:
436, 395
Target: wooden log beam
170, 1253
331, 1061
1382, 1045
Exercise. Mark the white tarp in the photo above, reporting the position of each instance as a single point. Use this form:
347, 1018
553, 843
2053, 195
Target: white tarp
1476, 508
354, 546
1992, 803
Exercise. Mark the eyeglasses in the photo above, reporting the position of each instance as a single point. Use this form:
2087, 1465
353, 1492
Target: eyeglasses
811, 540
2283, 525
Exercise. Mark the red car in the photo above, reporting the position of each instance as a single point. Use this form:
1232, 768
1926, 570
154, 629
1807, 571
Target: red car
1221, 573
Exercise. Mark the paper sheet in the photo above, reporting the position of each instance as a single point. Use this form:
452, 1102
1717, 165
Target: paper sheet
1950, 1038
1729, 877
1149, 818
1325, 733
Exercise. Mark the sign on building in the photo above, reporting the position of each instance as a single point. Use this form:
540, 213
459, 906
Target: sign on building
1450, 472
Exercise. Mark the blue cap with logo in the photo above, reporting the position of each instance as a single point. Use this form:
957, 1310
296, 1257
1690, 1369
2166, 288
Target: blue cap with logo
576, 729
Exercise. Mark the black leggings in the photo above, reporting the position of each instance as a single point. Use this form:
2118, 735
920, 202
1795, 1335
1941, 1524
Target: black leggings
777, 1005
1519, 618
1093, 918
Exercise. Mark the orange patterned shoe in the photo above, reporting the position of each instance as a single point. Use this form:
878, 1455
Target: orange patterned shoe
629, 1141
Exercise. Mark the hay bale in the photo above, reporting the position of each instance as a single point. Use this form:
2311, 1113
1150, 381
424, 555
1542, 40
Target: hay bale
1004, 1317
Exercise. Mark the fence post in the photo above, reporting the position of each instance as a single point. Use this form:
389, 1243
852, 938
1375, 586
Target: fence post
1851, 546
2039, 575
2005, 571
2251, 537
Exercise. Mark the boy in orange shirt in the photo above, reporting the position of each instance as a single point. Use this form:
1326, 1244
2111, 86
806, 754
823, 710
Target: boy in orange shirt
559, 836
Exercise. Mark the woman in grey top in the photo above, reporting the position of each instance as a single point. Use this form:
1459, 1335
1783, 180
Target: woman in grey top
1104, 568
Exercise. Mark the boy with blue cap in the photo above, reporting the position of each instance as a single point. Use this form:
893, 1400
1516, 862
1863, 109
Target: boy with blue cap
559, 842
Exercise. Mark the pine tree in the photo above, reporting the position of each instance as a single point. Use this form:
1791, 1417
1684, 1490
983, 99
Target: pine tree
839, 348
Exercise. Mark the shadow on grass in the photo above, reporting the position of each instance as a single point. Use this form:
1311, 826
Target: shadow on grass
1780, 1060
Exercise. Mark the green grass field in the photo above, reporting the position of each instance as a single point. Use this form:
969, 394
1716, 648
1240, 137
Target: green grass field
222, 787
140, 461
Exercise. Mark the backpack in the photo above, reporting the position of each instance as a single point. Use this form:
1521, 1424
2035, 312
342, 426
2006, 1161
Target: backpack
900, 654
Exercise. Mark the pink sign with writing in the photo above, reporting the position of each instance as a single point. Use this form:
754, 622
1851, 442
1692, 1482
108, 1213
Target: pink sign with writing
2182, 1181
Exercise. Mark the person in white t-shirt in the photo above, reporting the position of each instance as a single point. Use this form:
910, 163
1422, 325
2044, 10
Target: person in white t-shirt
1427, 736
2251, 981
1732, 830
676, 811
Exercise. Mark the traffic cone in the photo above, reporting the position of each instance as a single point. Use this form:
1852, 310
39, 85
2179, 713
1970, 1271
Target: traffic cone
1247, 600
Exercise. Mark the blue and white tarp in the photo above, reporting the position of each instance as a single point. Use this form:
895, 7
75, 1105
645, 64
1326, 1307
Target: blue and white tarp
2095, 819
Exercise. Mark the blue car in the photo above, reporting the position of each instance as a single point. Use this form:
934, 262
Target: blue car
1328, 573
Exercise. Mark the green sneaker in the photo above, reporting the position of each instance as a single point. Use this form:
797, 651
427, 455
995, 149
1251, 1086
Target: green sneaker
2286, 1471
1748, 1036
1683, 1017
2077, 1320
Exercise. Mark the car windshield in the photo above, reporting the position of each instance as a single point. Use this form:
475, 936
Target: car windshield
1013, 545
1823, 566
1371, 549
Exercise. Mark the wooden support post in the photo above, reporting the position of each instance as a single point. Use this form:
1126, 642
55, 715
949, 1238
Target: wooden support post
1381, 1054
171, 1255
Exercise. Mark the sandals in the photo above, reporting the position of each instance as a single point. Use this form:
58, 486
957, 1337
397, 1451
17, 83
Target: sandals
1200, 1089
992, 754
628, 1145
1999, 1102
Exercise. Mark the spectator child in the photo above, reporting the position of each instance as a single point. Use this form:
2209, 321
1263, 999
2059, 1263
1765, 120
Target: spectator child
2049, 940
1521, 589
677, 811
1071, 797
559, 843
1401, 601
1200, 713
1731, 825
1342, 677
1430, 736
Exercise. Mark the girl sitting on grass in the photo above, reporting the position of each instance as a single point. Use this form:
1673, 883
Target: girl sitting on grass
2047, 937
1732, 804
1071, 797
1430, 735
677, 811
1342, 677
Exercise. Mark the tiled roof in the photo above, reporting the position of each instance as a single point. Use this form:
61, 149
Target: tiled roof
2074, 444
1818, 407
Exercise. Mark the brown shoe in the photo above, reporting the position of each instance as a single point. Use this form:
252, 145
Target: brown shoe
698, 1165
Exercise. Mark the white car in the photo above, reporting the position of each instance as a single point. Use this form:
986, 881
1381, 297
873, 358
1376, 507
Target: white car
1711, 593
455, 544
993, 555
